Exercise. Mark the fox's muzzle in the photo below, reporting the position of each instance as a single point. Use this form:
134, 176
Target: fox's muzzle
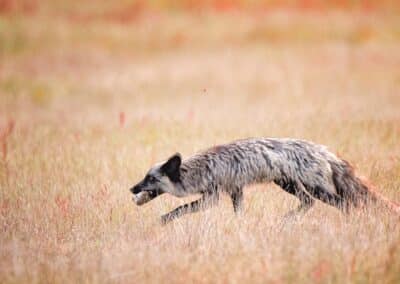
141, 197
136, 189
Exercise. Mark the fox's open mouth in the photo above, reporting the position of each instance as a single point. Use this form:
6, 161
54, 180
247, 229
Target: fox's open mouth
144, 197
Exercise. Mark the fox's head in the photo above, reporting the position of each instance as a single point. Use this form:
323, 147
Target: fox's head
159, 179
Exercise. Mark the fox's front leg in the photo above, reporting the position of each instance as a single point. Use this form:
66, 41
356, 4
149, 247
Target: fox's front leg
206, 201
237, 199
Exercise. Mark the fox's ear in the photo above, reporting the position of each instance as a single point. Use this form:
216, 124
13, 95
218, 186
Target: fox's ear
171, 167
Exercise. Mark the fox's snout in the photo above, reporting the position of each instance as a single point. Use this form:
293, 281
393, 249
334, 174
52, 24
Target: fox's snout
136, 189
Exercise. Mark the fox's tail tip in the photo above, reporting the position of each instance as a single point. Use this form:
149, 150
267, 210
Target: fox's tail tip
358, 189
392, 206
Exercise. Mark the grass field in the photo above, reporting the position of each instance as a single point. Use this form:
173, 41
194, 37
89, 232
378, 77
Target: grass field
90, 100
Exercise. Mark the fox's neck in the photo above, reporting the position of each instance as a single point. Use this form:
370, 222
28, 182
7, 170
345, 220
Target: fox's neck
191, 180
179, 190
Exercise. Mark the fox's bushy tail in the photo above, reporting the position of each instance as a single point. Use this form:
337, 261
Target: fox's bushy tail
355, 192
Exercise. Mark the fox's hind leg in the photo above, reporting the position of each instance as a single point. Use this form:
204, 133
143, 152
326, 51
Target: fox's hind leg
237, 199
297, 189
306, 201
206, 201
319, 192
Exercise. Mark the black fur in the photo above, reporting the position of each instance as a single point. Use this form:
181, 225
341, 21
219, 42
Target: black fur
172, 167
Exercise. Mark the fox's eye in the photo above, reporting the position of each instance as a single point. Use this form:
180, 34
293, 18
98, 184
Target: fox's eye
152, 179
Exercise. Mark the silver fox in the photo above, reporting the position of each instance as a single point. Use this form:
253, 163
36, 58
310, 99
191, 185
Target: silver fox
307, 170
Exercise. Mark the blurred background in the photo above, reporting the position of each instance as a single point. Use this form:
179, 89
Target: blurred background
233, 67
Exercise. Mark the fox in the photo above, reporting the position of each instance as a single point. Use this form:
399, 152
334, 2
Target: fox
306, 170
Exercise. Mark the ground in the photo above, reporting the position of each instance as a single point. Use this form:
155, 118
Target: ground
89, 101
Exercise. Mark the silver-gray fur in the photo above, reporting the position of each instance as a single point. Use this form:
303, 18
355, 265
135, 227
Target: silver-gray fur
304, 169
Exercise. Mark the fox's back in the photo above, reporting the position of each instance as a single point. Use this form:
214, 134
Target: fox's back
257, 160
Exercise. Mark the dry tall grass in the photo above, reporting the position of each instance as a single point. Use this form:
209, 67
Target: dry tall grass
88, 105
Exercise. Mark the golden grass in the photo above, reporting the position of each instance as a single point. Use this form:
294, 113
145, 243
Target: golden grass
85, 110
